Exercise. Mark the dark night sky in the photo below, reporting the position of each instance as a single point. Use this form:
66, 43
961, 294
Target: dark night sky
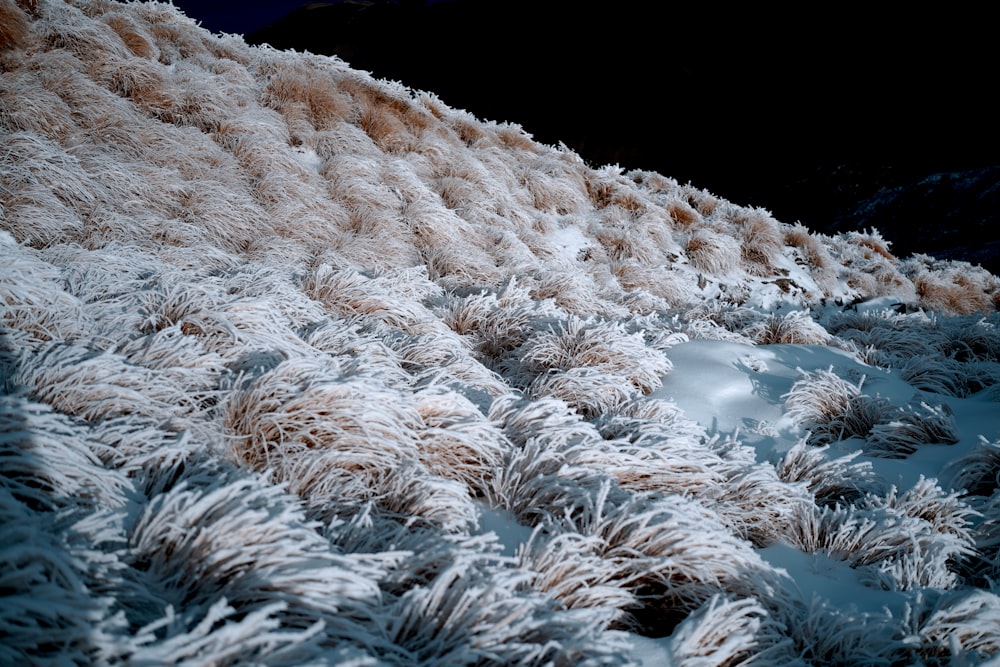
899, 85
237, 16
242, 16
805, 112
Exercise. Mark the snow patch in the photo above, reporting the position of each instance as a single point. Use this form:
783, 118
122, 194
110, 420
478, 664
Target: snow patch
571, 240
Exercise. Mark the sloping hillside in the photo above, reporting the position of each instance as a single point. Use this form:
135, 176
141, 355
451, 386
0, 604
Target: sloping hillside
301, 367
840, 138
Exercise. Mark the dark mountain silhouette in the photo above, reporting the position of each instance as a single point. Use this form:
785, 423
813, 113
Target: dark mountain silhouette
830, 118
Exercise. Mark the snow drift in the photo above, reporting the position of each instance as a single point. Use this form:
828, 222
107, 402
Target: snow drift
301, 367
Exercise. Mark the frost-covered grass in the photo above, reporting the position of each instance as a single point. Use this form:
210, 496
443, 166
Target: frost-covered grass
304, 368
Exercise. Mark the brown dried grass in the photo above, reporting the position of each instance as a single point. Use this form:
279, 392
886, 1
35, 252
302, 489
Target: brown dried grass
132, 36
15, 27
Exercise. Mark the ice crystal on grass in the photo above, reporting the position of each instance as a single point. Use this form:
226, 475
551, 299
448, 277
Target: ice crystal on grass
306, 368
832, 409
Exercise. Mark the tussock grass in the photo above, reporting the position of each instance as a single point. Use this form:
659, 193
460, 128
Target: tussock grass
832, 481
713, 253
832, 409
956, 288
762, 242
274, 333
458, 442
978, 474
663, 552
604, 346
726, 631
960, 623
796, 328
15, 28
903, 541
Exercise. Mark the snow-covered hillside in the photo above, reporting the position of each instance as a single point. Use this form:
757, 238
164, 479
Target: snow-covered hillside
301, 367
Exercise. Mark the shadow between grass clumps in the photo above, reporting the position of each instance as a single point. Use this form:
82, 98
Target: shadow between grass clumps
47, 610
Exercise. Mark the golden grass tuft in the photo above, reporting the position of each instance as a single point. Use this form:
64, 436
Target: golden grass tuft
291, 82
433, 104
351, 293
15, 27
942, 296
813, 252
798, 236
874, 242
143, 82
681, 212
468, 129
954, 291
569, 291
490, 328
567, 566
514, 136
794, 328
572, 355
616, 243
630, 201
173, 33
392, 121
600, 190
386, 129
702, 201
457, 441
762, 242
27, 105
301, 406
652, 182
714, 253
132, 36
658, 281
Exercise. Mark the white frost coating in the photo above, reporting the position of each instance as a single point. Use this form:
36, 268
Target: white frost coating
386, 408
508, 531
308, 157
571, 240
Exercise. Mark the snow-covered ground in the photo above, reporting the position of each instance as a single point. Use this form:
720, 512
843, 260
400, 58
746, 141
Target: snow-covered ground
739, 390
304, 368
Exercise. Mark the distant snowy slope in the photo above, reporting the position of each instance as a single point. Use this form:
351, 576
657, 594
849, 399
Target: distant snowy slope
301, 367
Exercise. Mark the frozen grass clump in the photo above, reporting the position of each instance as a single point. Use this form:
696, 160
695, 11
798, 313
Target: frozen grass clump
833, 481
955, 356
832, 409
300, 424
569, 567
593, 366
958, 288
796, 327
50, 465
95, 385
825, 635
492, 328
985, 568
958, 625
457, 441
728, 631
914, 425
37, 566
196, 543
303, 367
978, 473
473, 614
901, 542
713, 253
